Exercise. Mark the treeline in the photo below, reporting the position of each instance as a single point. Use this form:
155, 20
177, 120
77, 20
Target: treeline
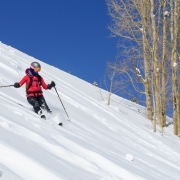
148, 32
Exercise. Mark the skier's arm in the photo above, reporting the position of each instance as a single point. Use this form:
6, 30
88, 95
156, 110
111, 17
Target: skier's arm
19, 84
47, 86
44, 85
23, 80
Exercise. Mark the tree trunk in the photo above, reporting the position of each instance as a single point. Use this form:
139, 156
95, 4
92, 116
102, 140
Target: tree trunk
174, 37
164, 66
146, 64
156, 67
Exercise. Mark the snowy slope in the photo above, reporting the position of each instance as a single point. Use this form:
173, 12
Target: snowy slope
100, 142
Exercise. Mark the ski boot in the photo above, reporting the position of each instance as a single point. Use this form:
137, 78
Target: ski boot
41, 114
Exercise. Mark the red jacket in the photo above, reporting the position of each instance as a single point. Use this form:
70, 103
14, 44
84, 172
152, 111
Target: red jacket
35, 87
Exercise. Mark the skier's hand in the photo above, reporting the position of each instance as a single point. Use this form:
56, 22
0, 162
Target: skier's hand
16, 85
53, 84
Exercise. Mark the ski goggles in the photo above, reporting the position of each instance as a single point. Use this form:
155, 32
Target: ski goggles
37, 69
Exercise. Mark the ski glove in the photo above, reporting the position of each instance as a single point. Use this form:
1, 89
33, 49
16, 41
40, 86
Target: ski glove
16, 85
51, 85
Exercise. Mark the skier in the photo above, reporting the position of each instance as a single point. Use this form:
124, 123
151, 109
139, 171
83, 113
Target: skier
34, 92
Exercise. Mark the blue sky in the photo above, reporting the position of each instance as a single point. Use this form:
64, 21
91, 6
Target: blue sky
69, 34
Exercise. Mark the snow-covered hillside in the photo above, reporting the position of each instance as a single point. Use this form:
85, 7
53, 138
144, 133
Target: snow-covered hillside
100, 142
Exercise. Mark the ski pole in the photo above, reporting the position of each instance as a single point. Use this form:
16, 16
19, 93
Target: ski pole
61, 103
6, 86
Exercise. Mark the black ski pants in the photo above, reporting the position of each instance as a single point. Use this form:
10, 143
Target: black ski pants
37, 103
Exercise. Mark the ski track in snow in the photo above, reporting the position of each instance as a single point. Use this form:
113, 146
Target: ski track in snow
101, 142
10, 157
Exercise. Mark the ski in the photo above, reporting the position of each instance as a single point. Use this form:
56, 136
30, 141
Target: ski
44, 117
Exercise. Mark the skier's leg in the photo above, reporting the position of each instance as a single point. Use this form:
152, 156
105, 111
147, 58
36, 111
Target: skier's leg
34, 102
43, 104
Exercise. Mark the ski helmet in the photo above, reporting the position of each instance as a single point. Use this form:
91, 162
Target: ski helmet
36, 66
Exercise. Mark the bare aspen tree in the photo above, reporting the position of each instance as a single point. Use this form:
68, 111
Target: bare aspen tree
174, 37
165, 14
146, 57
155, 60
114, 84
152, 28
177, 43
159, 27
130, 22
112, 71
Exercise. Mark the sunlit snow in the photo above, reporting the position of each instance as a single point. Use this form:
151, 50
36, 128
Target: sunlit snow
101, 142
